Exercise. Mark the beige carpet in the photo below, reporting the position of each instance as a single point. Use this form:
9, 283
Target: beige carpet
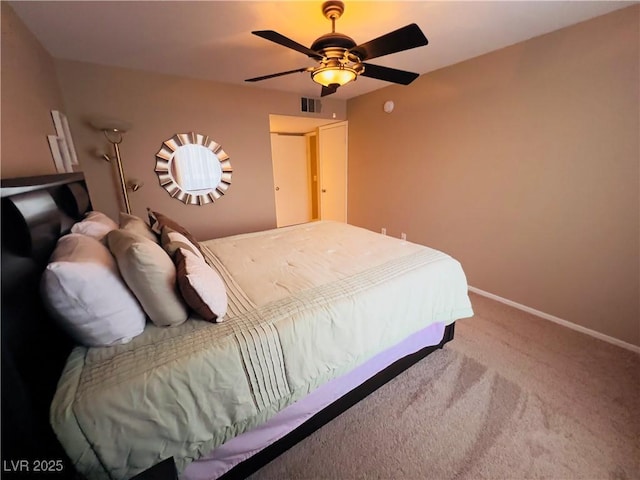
512, 397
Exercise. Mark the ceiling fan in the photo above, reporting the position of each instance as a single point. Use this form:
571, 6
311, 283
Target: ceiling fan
341, 60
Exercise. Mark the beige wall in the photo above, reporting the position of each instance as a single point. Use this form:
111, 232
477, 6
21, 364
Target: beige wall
524, 165
29, 92
160, 106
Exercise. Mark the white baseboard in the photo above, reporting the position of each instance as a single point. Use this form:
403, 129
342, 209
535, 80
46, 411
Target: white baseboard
560, 321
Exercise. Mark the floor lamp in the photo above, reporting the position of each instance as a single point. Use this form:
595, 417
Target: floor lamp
114, 132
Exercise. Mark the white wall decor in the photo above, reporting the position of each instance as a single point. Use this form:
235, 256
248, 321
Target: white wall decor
55, 153
62, 148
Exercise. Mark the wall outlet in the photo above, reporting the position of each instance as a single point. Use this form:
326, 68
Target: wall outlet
383, 231
403, 236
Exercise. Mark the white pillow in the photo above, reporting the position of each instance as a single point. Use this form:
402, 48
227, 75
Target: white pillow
83, 290
95, 224
151, 276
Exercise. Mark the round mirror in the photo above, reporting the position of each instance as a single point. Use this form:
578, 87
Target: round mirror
193, 169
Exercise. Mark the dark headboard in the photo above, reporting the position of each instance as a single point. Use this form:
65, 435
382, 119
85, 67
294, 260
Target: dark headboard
36, 211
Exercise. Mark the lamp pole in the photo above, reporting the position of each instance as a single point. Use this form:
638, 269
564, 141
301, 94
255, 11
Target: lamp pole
114, 135
123, 185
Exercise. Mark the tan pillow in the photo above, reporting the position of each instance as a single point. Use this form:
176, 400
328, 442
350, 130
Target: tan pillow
201, 286
158, 221
172, 241
151, 276
137, 225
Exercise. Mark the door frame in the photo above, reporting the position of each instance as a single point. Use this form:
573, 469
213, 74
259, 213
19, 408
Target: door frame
290, 124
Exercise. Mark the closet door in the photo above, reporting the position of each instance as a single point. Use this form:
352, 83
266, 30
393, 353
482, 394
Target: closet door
332, 147
290, 179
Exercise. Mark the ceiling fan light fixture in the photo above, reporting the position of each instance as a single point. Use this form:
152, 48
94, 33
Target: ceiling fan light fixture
334, 75
341, 60
337, 70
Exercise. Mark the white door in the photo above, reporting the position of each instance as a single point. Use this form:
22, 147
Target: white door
332, 147
290, 179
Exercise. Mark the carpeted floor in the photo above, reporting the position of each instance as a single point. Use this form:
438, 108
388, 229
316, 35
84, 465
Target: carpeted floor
512, 397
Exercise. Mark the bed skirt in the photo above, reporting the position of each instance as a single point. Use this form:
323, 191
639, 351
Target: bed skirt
238, 449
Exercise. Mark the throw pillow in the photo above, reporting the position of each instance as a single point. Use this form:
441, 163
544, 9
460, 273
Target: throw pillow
172, 241
158, 220
202, 287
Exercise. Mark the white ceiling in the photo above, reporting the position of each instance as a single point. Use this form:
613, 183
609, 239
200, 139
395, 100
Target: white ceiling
213, 40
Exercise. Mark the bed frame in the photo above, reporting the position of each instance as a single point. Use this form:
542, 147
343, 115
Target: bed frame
36, 211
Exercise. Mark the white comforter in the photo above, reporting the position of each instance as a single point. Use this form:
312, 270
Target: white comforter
306, 304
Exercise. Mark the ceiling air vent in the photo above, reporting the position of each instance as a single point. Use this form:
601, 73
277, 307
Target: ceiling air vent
311, 105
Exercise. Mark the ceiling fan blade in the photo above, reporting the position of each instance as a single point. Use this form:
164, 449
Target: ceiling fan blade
328, 90
265, 77
399, 40
286, 42
388, 74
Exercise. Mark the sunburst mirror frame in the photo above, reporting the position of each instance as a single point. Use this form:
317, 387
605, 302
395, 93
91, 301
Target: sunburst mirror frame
164, 159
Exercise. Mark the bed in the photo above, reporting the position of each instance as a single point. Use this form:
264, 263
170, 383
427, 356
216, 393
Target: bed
319, 315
